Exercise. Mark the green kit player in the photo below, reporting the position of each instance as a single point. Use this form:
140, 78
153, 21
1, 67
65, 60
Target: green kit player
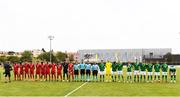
157, 71
120, 71
172, 72
114, 71
136, 71
164, 68
102, 68
129, 72
143, 71
150, 72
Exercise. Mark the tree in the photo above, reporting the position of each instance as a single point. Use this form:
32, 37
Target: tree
13, 59
26, 56
71, 57
168, 57
3, 59
60, 56
45, 56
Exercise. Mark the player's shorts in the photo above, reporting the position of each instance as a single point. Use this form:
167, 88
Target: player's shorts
101, 72
71, 72
157, 73
82, 71
87, 72
31, 72
164, 73
7, 74
172, 73
53, 72
47, 72
15, 72
95, 72
114, 72
136, 72
108, 71
129, 73
37, 72
150, 73
21, 72
76, 72
59, 73
143, 72
120, 72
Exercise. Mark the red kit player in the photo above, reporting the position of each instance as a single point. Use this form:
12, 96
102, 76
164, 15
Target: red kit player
38, 71
47, 66
53, 71
32, 67
70, 71
16, 66
21, 72
43, 71
26, 65
59, 72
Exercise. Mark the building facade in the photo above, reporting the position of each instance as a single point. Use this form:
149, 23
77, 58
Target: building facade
123, 55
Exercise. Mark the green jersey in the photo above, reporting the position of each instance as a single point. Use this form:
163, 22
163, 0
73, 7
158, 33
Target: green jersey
129, 68
143, 67
119, 67
172, 69
150, 67
164, 67
157, 67
114, 67
101, 67
136, 66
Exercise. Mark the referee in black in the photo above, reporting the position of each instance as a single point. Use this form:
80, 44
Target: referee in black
7, 71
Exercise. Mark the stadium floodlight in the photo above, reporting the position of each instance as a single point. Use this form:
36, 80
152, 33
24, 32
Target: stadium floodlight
50, 38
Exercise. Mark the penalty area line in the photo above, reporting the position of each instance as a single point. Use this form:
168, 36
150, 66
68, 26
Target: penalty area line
75, 89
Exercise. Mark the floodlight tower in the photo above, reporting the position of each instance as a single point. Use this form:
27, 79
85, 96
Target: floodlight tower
50, 38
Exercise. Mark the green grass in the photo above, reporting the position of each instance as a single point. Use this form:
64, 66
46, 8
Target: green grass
29, 88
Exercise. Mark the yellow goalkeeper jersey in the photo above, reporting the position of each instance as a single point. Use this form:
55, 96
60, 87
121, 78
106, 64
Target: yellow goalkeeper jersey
108, 67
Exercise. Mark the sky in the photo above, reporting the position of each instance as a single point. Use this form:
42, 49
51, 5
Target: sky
89, 24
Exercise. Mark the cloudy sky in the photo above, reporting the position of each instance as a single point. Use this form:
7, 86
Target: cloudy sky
89, 24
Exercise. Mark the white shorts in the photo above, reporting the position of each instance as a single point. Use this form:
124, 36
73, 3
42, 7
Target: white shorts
156, 73
172, 73
143, 72
150, 73
164, 73
114, 72
136, 72
101, 72
129, 73
120, 72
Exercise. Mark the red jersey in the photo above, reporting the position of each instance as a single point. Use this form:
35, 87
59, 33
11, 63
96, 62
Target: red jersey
32, 68
43, 69
47, 66
21, 69
38, 68
26, 68
70, 67
16, 68
59, 68
53, 70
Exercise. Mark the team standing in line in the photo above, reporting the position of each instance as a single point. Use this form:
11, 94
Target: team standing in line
83, 71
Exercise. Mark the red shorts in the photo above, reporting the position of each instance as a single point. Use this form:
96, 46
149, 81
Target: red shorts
21, 72
15, 72
31, 72
37, 72
59, 73
43, 72
53, 72
47, 72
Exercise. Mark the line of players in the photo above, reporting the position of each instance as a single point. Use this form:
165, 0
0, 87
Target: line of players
113, 71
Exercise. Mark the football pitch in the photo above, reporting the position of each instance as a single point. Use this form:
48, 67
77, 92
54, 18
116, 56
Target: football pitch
33, 88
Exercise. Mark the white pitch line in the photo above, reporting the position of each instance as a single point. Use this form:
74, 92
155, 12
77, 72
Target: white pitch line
75, 89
